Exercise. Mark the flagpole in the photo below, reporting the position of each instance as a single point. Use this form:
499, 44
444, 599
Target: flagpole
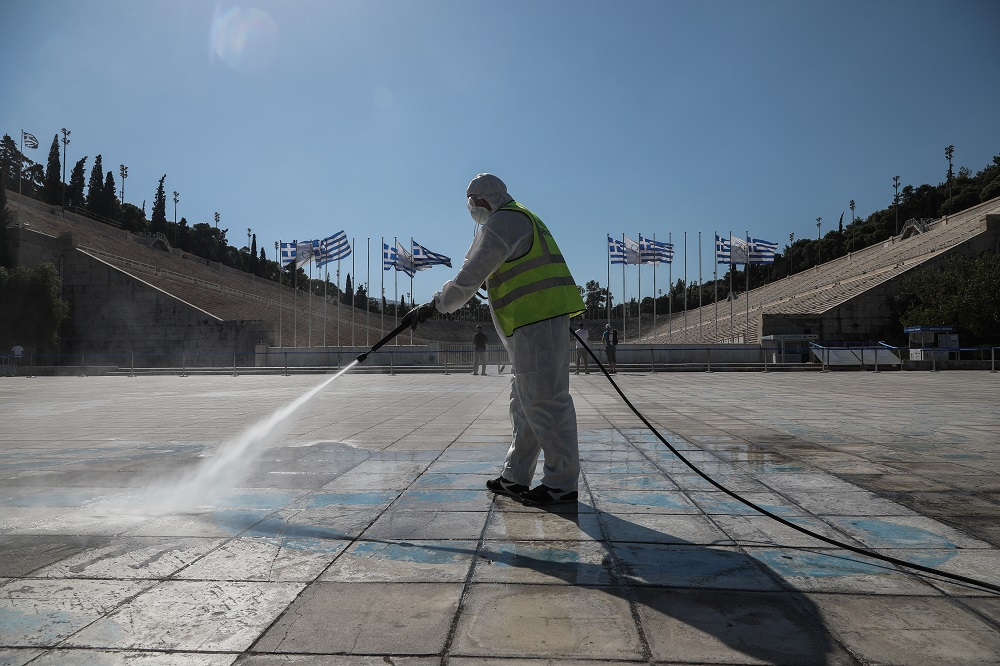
656, 257
20, 178
309, 306
638, 268
295, 297
381, 305
395, 281
277, 251
354, 294
340, 297
624, 263
685, 284
746, 268
670, 290
732, 327
607, 304
368, 289
715, 282
413, 270
326, 280
699, 286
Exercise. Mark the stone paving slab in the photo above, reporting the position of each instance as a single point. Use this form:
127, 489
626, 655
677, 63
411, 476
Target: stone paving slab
360, 533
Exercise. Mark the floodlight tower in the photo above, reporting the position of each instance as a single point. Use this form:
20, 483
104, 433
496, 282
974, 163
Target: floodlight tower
65, 142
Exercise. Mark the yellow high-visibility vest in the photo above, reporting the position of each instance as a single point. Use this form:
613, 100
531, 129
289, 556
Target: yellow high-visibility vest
535, 287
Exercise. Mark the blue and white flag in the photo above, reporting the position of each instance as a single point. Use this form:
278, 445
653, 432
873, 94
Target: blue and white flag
398, 258
287, 253
655, 252
424, 258
388, 257
762, 251
623, 252
334, 248
28, 140
306, 252
731, 250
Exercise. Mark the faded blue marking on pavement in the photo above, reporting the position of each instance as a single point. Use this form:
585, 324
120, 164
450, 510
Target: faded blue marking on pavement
478, 467
349, 499
795, 563
884, 534
438, 553
311, 545
36, 628
645, 499
524, 555
254, 501
440, 496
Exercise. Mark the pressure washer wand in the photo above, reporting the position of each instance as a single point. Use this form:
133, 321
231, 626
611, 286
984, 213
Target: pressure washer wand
375, 347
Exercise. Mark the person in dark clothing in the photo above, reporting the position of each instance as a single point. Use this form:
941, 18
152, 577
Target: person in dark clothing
479, 359
610, 337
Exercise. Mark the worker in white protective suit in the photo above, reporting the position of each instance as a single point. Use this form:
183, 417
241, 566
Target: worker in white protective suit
532, 297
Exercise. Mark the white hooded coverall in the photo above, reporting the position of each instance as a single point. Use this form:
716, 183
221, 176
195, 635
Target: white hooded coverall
541, 409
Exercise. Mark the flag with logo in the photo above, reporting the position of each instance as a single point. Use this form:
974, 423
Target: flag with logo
731, 250
306, 252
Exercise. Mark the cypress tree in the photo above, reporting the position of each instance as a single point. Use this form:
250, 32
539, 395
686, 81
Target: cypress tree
109, 204
77, 180
53, 181
95, 186
158, 222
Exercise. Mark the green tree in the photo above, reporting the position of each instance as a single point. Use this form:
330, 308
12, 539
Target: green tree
593, 299
110, 207
95, 187
77, 181
10, 161
52, 190
963, 292
31, 311
5, 219
158, 220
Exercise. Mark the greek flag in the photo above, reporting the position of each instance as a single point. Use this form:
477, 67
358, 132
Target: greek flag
424, 258
731, 250
388, 257
334, 248
287, 253
655, 252
29, 140
762, 251
626, 252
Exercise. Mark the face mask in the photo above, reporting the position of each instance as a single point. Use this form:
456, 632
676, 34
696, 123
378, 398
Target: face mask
480, 215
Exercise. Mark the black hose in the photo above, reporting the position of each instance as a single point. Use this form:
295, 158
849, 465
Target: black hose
786, 523
389, 336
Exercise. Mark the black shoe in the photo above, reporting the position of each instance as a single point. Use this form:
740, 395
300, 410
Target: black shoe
542, 494
502, 486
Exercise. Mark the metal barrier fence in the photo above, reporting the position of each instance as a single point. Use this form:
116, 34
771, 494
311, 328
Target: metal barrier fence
455, 359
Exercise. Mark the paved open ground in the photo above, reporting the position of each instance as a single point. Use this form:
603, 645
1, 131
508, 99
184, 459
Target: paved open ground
359, 532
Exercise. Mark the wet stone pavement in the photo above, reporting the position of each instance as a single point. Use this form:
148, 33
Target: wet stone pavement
360, 531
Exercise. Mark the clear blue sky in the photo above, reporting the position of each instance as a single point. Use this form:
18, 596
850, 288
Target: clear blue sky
298, 119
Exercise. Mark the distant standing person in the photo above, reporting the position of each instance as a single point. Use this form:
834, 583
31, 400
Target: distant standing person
479, 358
581, 349
18, 352
610, 338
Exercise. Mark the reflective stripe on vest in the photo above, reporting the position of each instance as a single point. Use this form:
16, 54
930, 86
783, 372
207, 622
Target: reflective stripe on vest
534, 287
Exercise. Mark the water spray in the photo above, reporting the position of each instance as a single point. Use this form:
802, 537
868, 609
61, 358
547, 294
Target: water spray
234, 459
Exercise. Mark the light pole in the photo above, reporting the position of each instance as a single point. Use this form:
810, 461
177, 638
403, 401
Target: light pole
895, 201
791, 239
65, 142
819, 239
853, 230
177, 197
123, 170
949, 152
